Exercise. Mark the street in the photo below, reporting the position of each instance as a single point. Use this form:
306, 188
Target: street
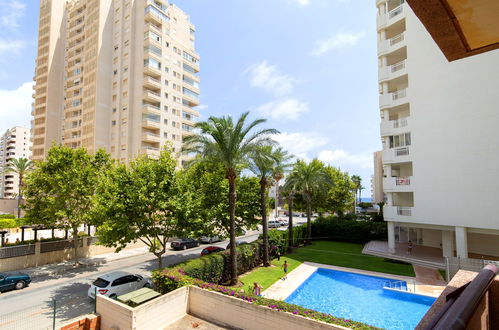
32, 307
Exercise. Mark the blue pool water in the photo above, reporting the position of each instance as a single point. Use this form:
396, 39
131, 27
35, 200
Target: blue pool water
360, 298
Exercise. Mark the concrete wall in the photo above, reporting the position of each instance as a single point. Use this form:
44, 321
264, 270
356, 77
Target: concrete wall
40, 259
483, 244
233, 312
9, 206
156, 314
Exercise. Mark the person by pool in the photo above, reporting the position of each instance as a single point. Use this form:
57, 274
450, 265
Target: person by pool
285, 268
257, 289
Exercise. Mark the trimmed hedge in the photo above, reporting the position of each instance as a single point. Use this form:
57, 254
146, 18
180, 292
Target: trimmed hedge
170, 279
353, 231
278, 239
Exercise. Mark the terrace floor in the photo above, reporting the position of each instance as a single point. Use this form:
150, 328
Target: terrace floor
192, 322
420, 255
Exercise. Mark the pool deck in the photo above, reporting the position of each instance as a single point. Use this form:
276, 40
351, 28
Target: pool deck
283, 288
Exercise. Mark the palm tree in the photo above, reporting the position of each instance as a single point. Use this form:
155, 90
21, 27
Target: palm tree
281, 165
357, 180
309, 179
223, 141
20, 166
290, 191
261, 164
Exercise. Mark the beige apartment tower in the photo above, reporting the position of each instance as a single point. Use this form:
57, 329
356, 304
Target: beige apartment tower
121, 75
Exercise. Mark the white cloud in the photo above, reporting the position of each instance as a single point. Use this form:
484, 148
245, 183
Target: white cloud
303, 2
285, 109
10, 13
338, 41
11, 46
301, 143
267, 77
343, 159
16, 106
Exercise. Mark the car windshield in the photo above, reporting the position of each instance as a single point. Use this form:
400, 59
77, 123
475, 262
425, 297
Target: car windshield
100, 283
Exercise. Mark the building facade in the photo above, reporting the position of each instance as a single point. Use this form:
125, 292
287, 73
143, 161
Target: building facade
377, 194
120, 75
439, 131
14, 144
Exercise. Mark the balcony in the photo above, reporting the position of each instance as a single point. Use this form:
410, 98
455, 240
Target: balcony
394, 127
149, 151
398, 213
393, 99
396, 155
394, 15
150, 122
390, 45
152, 70
151, 96
398, 184
153, 27
151, 137
155, 16
392, 71
151, 82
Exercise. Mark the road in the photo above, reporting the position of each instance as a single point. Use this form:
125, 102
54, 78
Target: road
32, 307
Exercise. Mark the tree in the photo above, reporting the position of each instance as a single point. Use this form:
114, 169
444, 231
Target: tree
221, 140
281, 165
339, 197
309, 179
60, 190
262, 164
19, 166
289, 191
357, 180
144, 201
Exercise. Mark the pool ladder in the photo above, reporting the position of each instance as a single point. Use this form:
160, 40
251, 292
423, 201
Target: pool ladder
398, 285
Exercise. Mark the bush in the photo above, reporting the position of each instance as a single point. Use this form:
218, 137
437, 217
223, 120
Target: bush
279, 242
170, 279
7, 216
7, 223
338, 229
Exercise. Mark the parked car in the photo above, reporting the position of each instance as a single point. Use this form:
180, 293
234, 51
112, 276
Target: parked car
211, 249
117, 283
240, 232
274, 224
210, 239
184, 243
283, 222
238, 242
10, 281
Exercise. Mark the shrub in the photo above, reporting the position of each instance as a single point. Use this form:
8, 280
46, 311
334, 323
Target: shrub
338, 229
7, 216
278, 239
170, 279
7, 223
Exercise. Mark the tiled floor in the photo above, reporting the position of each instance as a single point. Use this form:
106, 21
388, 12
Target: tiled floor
191, 322
424, 255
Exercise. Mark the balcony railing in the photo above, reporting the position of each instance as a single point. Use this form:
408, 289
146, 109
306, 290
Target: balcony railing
404, 211
397, 66
399, 94
395, 40
401, 151
396, 11
403, 181
399, 123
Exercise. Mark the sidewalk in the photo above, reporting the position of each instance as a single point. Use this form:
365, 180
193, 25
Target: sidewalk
62, 267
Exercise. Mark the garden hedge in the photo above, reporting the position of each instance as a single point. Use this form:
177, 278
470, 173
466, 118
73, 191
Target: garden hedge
334, 228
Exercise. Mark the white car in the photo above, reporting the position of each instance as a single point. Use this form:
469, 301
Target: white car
274, 224
116, 284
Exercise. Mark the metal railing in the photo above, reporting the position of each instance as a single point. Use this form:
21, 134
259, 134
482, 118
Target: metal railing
399, 123
399, 285
402, 151
42, 316
398, 38
397, 66
404, 210
396, 11
403, 180
399, 94
17, 251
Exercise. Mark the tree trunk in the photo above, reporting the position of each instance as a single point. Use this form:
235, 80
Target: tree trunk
75, 244
232, 215
290, 224
309, 220
160, 260
265, 225
276, 198
19, 197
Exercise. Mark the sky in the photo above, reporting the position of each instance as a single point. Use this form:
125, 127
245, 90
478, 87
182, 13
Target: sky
308, 66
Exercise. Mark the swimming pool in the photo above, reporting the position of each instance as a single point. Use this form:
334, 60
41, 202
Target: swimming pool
360, 298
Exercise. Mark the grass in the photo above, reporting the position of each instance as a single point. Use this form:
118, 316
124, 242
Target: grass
329, 253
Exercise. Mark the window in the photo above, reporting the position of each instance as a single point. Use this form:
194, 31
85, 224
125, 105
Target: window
165, 108
113, 122
400, 140
165, 121
116, 47
114, 110
165, 135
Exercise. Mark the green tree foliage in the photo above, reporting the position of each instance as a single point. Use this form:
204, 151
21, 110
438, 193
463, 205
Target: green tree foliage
206, 181
144, 201
310, 179
223, 141
21, 167
59, 190
338, 198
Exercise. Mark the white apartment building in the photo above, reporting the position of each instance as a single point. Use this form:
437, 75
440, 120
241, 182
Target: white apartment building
439, 127
122, 75
14, 144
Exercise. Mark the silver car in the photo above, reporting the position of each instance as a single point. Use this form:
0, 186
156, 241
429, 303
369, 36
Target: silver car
116, 284
210, 239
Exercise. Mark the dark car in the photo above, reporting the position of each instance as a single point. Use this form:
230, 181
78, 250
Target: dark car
9, 281
211, 249
184, 243
238, 242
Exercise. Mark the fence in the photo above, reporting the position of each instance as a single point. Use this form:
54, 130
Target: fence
17, 251
42, 316
454, 264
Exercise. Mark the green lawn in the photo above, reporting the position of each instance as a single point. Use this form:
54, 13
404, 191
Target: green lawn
329, 253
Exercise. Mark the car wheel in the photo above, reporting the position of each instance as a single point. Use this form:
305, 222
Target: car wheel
184, 247
210, 241
147, 285
113, 296
20, 285
197, 244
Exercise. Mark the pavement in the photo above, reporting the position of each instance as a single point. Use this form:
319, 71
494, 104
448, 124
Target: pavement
32, 307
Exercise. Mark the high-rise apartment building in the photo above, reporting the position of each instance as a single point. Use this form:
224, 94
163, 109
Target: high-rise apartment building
439, 130
14, 144
115, 74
